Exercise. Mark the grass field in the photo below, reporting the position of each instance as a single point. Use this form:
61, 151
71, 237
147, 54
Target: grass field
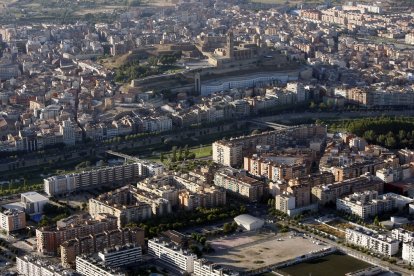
200, 152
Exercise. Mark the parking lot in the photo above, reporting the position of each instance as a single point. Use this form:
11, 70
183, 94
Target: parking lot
236, 251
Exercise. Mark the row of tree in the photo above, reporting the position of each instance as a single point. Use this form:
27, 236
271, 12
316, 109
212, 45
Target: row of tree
181, 219
391, 132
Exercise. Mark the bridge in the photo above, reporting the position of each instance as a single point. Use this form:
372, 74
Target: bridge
125, 156
269, 124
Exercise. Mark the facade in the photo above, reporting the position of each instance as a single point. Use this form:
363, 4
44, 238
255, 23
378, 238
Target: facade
329, 193
373, 241
277, 168
99, 242
408, 252
35, 266
202, 267
231, 152
126, 205
228, 154
49, 239
171, 254
33, 202
90, 266
12, 220
402, 235
121, 256
115, 175
239, 183
365, 204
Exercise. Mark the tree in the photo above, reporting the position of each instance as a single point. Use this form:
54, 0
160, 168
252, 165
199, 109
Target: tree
376, 221
186, 151
390, 142
174, 154
203, 240
227, 228
312, 105
152, 61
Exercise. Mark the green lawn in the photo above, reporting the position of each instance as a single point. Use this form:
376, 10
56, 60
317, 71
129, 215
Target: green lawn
200, 152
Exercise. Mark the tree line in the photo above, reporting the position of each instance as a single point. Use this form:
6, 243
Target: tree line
391, 132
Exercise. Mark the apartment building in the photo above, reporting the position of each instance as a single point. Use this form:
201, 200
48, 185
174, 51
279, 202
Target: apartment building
277, 168
202, 267
34, 266
121, 255
324, 194
48, 239
114, 175
99, 242
342, 173
238, 182
187, 191
365, 204
408, 252
12, 220
228, 154
402, 235
371, 240
92, 266
171, 254
231, 152
124, 204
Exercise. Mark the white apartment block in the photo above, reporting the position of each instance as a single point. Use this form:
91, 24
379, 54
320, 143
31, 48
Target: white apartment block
366, 204
34, 266
92, 267
402, 235
121, 255
202, 267
171, 254
408, 252
371, 240
122, 174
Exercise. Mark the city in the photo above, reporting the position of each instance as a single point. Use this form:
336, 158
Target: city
206, 137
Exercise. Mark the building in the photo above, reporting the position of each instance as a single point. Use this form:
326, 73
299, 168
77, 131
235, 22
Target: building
402, 235
249, 222
49, 239
329, 193
228, 154
33, 202
171, 254
92, 266
121, 255
239, 183
99, 242
366, 204
408, 252
231, 152
107, 176
277, 167
12, 220
127, 205
371, 240
202, 267
35, 266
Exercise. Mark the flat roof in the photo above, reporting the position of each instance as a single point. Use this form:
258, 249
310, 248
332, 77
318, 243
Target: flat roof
34, 196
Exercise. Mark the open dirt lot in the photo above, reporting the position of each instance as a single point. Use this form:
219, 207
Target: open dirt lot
249, 251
